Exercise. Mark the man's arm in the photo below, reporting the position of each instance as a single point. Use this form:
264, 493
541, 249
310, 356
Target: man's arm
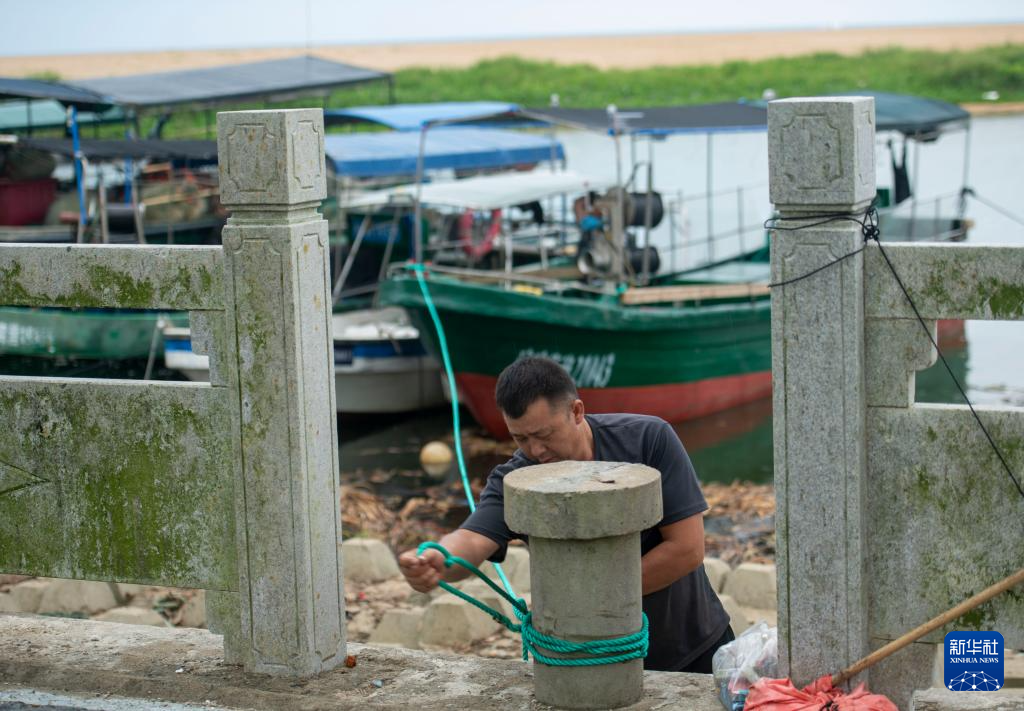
680, 552
424, 572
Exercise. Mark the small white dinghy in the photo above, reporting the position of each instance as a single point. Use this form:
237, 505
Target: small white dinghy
379, 362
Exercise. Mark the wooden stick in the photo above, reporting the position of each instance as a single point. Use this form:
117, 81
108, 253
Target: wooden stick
171, 198
933, 624
691, 292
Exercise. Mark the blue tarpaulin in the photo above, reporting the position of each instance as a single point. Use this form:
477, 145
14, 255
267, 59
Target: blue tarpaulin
368, 155
412, 117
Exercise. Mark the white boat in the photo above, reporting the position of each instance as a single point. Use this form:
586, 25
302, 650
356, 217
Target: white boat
380, 366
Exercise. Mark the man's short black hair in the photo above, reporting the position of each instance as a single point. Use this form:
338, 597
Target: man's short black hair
530, 378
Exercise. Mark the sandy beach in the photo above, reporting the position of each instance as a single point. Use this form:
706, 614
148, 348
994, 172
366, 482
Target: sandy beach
605, 52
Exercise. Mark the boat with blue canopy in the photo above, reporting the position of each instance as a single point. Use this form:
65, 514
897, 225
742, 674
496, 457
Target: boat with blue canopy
374, 155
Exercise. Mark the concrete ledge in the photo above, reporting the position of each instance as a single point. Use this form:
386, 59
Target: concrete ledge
88, 657
942, 700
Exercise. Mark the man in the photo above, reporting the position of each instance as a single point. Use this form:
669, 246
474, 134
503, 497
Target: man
546, 419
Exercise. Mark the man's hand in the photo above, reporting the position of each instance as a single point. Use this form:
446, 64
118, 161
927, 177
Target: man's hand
422, 572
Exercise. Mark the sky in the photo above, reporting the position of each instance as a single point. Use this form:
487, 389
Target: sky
76, 26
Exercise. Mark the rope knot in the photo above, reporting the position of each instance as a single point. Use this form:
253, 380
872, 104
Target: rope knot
601, 651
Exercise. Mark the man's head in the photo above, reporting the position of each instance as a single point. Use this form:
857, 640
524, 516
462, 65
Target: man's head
542, 410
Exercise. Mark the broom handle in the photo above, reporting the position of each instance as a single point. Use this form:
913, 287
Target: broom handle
933, 624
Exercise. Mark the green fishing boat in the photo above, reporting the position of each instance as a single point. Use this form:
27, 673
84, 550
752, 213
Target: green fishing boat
681, 348
679, 345
75, 334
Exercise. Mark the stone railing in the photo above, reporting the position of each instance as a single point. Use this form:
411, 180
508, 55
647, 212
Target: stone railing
889, 511
230, 486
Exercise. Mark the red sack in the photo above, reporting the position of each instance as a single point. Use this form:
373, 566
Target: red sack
781, 695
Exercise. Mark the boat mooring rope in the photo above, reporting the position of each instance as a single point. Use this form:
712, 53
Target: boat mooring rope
600, 651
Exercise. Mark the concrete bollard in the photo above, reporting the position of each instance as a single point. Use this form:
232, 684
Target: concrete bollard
584, 521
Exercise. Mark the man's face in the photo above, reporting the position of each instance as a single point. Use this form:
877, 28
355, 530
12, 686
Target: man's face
548, 432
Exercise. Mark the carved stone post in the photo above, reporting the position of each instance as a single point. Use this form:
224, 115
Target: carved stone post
291, 602
821, 160
584, 521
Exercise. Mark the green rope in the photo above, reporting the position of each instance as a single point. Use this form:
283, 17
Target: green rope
598, 651
417, 268
601, 651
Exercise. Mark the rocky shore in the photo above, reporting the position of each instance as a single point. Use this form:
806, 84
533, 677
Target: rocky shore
382, 609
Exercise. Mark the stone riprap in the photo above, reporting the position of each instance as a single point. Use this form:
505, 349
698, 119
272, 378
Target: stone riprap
584, 521
487, 595
738, 619
193, 611
451, 622
368, 560
718, 571
752, 585
26, 596
132, 616
391, 612
398, 628
85, 657
517, 569
889, 511
135, 604
76, 596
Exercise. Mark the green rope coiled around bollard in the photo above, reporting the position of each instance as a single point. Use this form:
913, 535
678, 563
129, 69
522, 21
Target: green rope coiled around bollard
599, 651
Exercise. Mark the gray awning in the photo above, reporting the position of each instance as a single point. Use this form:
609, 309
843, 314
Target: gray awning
83, 98
276, 79
915, 116
118, 148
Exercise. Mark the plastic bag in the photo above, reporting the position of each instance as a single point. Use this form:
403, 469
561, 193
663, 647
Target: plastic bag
739, 664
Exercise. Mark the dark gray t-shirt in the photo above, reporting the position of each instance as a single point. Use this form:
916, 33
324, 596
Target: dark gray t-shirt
686, 617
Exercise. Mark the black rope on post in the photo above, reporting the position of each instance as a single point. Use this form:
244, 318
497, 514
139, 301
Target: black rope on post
868, 223
869, 226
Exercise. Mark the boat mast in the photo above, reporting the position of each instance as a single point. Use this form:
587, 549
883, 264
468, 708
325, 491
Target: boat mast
707, 190
417, 210
648, 217
962, 208
619, 213
72, 117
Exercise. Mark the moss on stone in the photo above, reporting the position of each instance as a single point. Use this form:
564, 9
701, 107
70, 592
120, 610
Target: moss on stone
106, 285
1005, 301
144, 495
